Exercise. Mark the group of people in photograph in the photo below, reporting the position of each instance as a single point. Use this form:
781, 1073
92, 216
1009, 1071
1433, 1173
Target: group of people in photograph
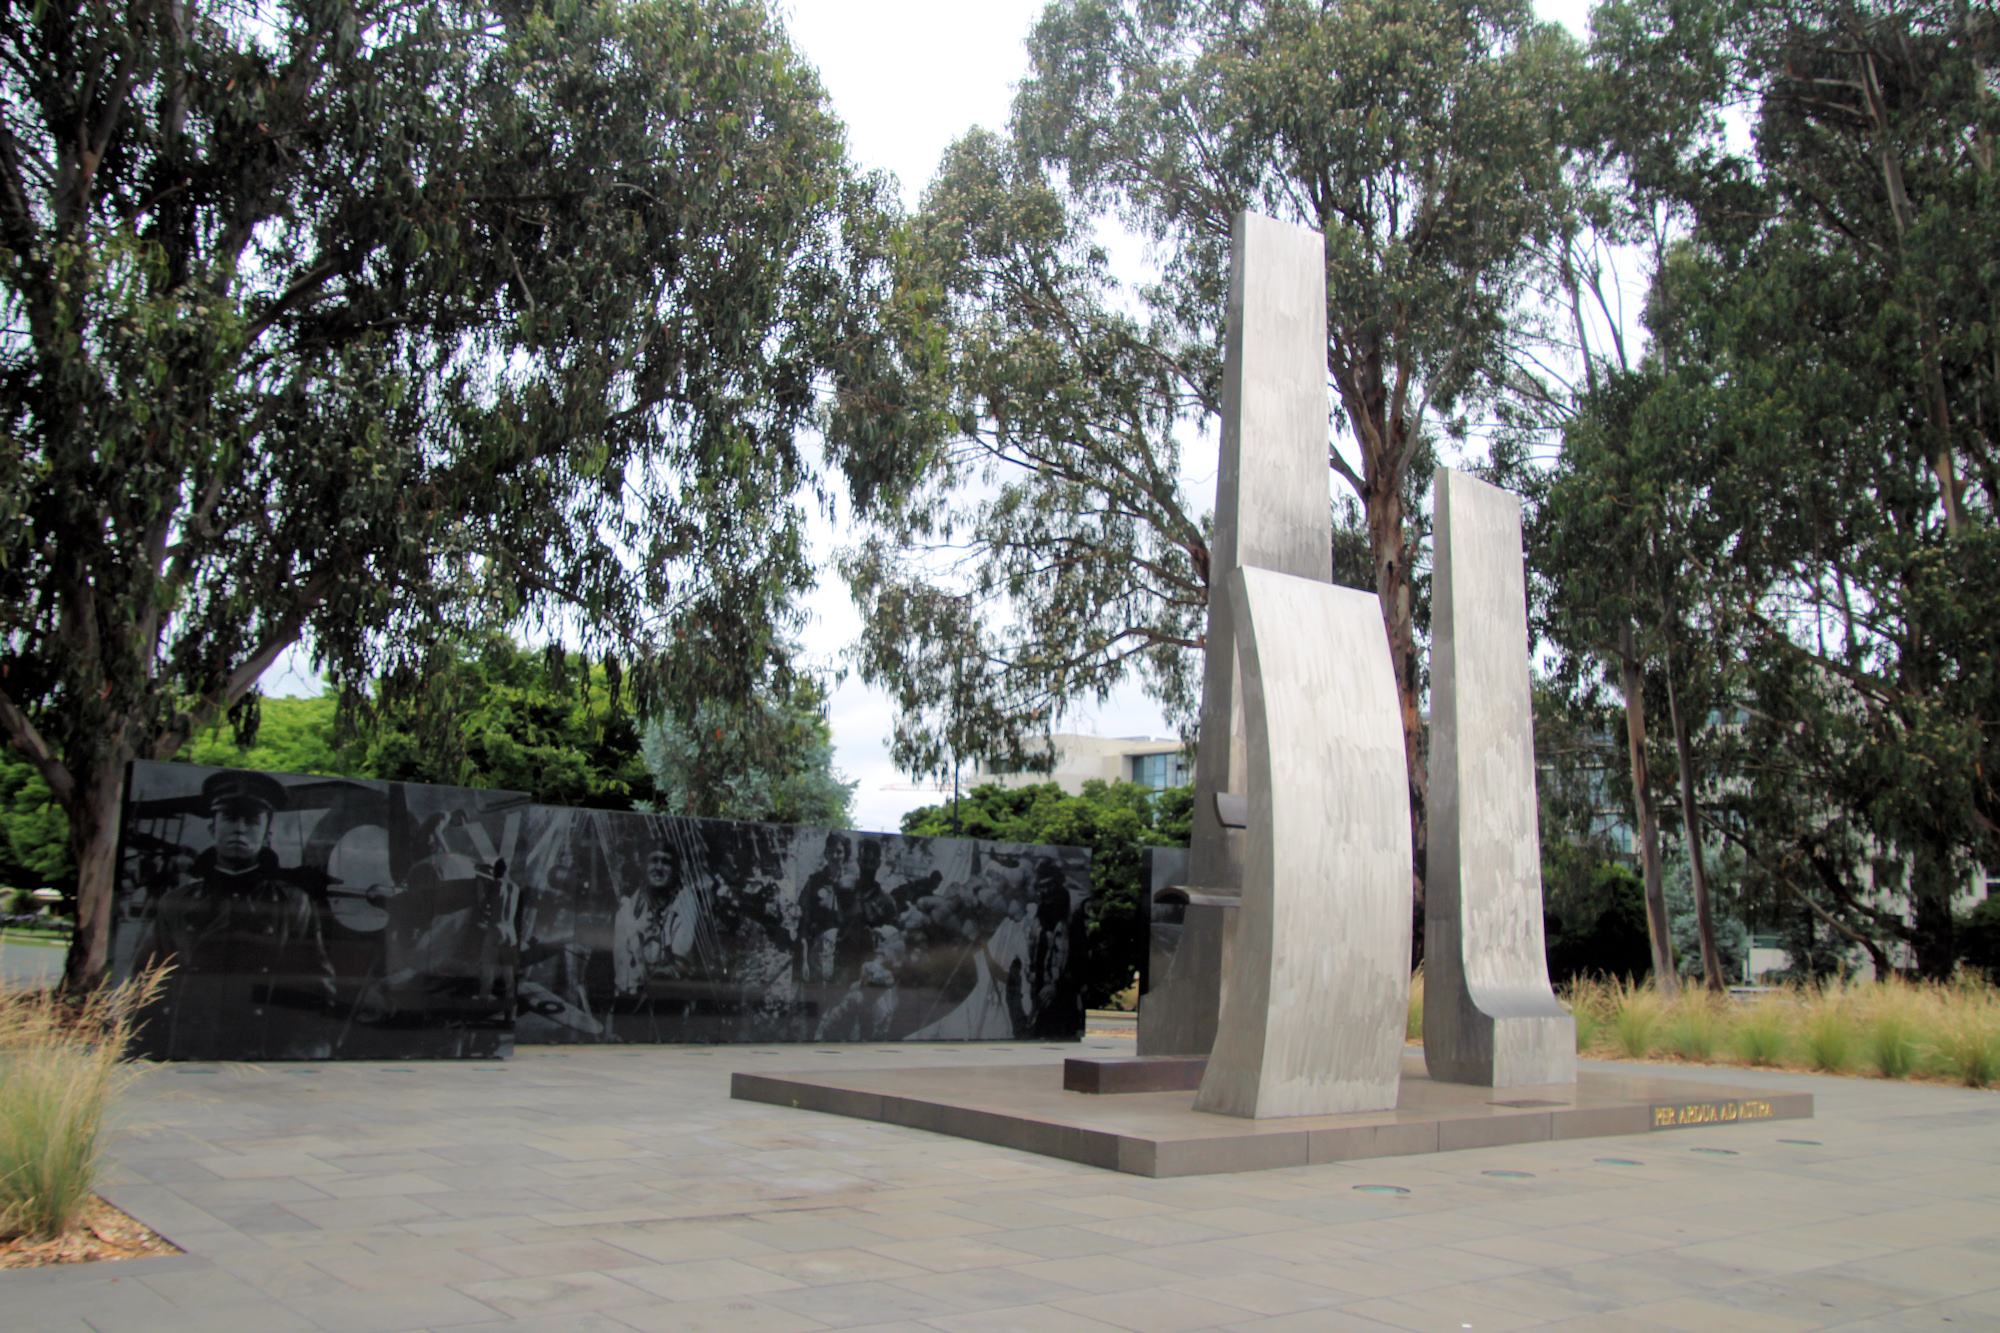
646, 928
315, 918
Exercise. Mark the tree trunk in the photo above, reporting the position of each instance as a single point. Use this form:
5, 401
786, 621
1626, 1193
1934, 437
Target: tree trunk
1389, 538
1933, 935
1704, 919
93, 823
1658, 930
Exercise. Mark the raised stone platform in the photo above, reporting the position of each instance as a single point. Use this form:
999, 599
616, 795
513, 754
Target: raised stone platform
1161, 1134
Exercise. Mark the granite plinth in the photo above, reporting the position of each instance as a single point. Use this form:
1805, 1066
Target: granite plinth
1161, 1134
1124, 1074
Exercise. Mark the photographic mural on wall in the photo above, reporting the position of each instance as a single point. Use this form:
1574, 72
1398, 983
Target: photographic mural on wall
648, 928
335, 918
311, 918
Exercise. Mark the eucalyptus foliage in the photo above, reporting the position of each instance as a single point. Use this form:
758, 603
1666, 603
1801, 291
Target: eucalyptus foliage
346, 324
1423, 138
767, 759
1796, 494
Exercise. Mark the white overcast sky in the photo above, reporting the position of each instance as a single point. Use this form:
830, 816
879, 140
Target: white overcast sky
908, 77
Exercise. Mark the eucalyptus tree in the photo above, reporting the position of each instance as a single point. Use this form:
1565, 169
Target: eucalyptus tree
1421, 137
1827, 331
1861, 317
1056, 499
346, 323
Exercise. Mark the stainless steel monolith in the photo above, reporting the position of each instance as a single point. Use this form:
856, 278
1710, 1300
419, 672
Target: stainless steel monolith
1490, 1017
1272, 512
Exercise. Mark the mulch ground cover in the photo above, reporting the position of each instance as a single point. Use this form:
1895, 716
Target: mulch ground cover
103, 1232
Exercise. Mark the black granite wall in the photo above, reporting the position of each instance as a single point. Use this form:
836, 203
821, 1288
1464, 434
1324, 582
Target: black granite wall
318, 918
326, 918
644, 928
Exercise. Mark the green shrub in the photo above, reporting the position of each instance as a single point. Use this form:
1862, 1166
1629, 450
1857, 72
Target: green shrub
1413, 1024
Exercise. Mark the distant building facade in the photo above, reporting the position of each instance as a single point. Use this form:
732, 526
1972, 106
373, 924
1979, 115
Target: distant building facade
1159, 762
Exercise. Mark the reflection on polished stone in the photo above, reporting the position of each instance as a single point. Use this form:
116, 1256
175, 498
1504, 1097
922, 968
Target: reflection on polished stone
312, 918
645, 928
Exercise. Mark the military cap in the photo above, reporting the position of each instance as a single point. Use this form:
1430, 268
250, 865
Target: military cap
237, 786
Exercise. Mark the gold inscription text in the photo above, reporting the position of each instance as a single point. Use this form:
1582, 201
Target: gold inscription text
1709, 1113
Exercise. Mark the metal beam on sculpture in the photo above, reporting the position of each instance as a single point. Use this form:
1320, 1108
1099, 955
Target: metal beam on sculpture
1314, 1004
1490, 1016
1271, 512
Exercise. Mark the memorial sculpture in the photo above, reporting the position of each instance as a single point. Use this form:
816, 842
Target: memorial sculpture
329, 918
1291, 972
1490, 1016
1271, 512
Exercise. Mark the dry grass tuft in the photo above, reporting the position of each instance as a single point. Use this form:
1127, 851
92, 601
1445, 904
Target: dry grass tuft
62, 1065
1635, 1017
1763, 1030
1694, 1024
1893, 1028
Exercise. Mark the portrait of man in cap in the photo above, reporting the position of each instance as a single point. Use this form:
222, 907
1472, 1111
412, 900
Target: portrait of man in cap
250, 974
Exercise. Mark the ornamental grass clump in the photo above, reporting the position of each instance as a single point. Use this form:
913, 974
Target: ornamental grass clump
1826, 1033
1760, 1032
1964, 1032
1694, 1027
1888, 1020
1635, 1016
62, 1064
1413, 1024
1588, 1000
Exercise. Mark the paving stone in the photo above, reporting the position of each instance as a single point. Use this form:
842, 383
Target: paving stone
706, 1279
740, 1314
607, 1190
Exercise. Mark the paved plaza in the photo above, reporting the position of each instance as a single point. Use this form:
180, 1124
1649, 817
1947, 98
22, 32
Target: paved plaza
30, 965
614, 1190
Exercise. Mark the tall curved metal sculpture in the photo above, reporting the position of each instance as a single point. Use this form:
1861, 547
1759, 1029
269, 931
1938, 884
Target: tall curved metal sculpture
1271, 512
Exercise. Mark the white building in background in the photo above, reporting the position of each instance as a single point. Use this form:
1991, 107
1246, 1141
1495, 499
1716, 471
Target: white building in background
1158, 762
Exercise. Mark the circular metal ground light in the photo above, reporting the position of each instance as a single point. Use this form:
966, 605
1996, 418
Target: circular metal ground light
1621, 1161
1381, 1189
1510, 1175
1719, 1152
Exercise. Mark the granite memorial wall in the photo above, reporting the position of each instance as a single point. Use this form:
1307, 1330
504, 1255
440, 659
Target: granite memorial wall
322, 918
311, 918
645, 928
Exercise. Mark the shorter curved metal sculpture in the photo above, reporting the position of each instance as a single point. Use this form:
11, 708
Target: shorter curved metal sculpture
1316, 986
1490, 1017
